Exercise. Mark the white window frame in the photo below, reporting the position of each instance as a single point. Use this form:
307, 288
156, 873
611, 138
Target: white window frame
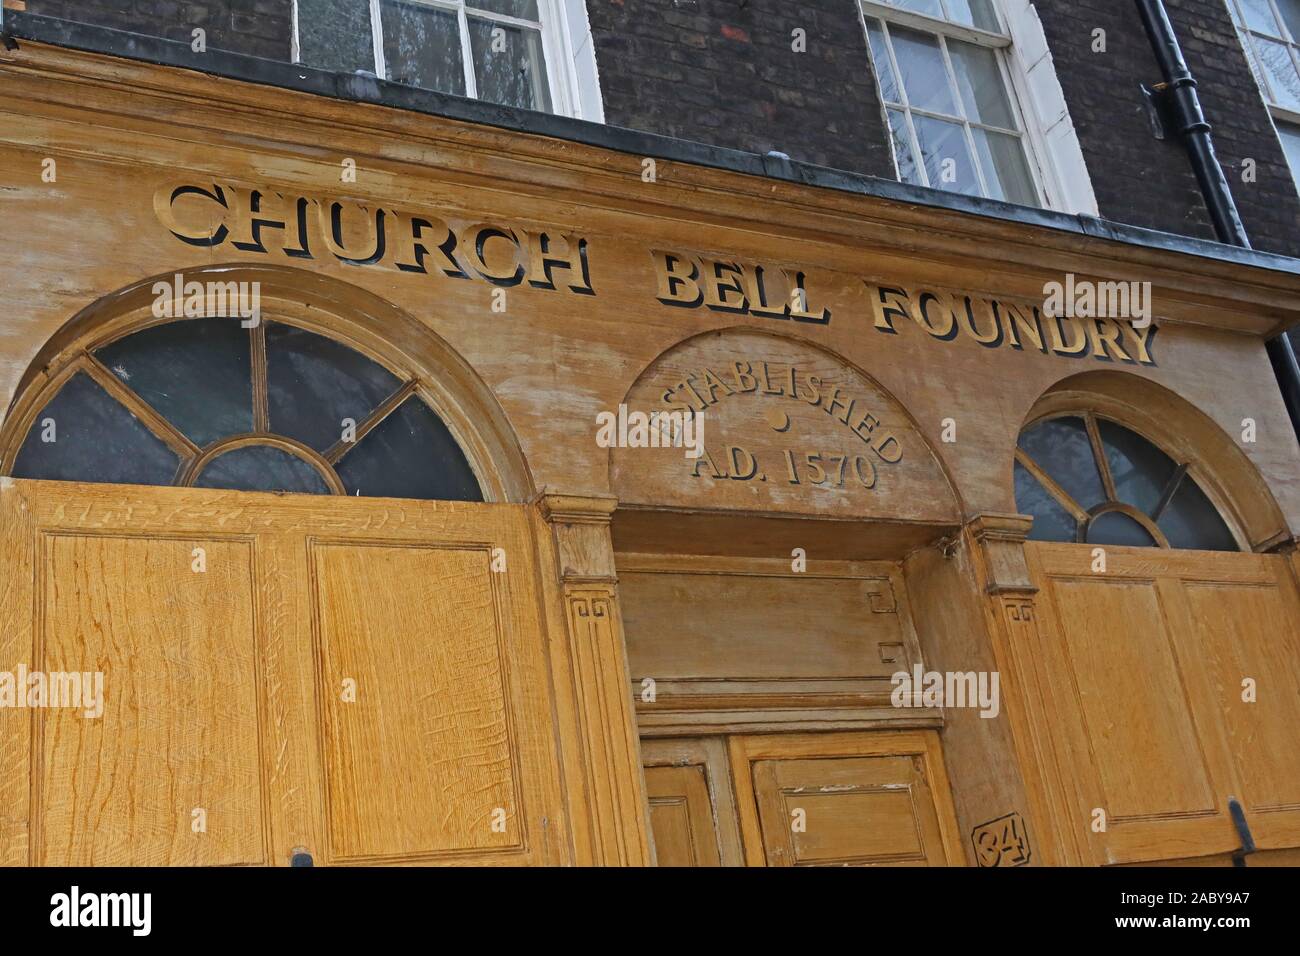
1055, 160
1276, 112
567, 68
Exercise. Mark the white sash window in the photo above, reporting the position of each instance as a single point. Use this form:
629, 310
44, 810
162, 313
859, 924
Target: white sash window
511, 52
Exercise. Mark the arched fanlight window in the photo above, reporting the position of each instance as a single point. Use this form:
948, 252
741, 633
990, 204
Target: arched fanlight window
1087, 479
210, 403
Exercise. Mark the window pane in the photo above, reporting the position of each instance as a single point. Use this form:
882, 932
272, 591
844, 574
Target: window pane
1290, 136
908, 171
1117, 528
522, 9
335, 35
1260, 17
509, 66
261, 468
1191, 521
924, 75
1291, 15
1051, 521
1275, 59
975, 13
422, 46
95, 439
1060, 446
194, 372
946, 155
880, 60
314, 383
1006, 171
981, 86
1141, 471
928, 7
410, 454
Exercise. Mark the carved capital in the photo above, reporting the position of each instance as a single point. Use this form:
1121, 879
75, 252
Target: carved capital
1001, 540
577, 509
580, 524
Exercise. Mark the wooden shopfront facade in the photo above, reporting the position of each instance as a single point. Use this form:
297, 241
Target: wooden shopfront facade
364, 583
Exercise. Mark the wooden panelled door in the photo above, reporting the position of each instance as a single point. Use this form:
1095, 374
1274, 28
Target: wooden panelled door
847, 799
363, 680
875, 798
1176, 686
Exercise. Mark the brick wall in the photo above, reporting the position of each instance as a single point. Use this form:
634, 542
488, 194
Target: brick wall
256, 27
724, 72
1145, 182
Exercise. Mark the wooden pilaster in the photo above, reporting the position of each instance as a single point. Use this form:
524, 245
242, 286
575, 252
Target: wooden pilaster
613, 779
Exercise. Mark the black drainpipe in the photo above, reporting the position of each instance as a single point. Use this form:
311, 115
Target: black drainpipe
1181, 103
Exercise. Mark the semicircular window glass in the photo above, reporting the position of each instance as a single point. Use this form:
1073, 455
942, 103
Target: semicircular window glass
210, 403
1090, 480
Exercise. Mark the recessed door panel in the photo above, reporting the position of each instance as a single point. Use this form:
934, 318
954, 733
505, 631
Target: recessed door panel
1134, 699
169, 771
417, 745
692, 804
873, 810
849, 799
681, 816
1248, 640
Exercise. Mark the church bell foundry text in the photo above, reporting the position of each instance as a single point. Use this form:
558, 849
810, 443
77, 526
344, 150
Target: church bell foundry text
308, 227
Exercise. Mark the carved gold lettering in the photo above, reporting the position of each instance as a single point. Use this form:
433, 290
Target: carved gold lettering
1104, 335
758, 297
1017, 324
700, 403
418, 238
745, 380
766, 380
723, 293
305, 227
677, 277
544, 258
706, 460
887, 305
933, 312
887, 441
214, 234
711, 385
836, 400
474, 240
335, 230
1142, 339
1056, 326
865, 426
993, 337
253, 211
744, 466
801, 310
